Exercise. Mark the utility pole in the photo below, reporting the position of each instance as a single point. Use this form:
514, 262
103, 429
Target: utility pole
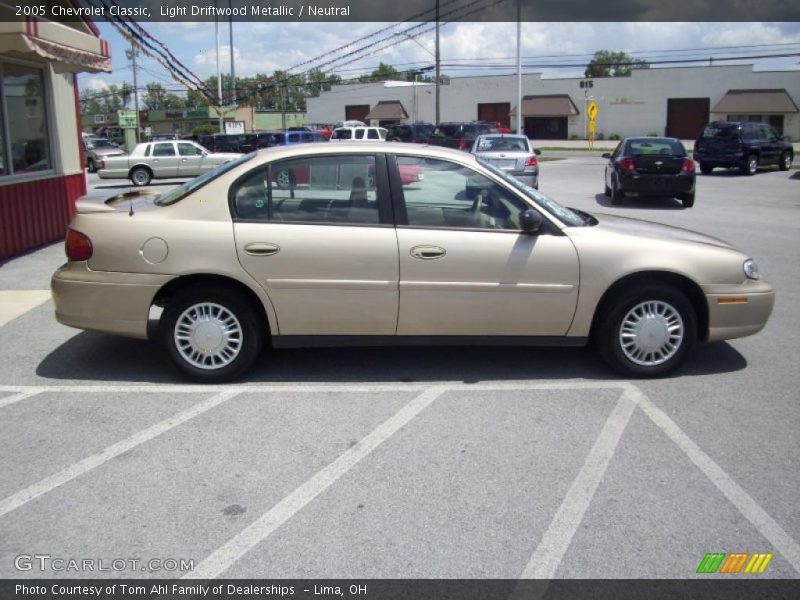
219, 78
233, 71
438, 82
135, 87
519, 67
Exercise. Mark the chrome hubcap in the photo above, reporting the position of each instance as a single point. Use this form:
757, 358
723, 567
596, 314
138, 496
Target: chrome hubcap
651, 333
140, 177
787, 161
283, 179
753, 166
208, 336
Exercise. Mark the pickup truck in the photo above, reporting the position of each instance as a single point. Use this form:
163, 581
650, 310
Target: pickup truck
459, 136
162, 160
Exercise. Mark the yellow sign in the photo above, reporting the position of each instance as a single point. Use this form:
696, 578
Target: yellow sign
591, 110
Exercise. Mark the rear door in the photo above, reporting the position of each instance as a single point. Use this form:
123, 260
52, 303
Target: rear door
321, 242
164, 160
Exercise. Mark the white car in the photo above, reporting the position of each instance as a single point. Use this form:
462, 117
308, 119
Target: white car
362, 134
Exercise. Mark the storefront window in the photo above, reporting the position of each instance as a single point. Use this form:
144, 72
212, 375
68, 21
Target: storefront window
24, 142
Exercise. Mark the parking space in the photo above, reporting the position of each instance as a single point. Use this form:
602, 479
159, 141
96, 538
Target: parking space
414, 462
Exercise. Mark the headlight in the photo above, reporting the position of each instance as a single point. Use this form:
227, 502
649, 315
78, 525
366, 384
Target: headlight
750, 268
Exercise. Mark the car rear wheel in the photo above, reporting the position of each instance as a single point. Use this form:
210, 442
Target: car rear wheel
212, 335
706, 168
607, 192
786, 161
647, 331
750, 166
616, 194
141, 176
687, 200
90, 165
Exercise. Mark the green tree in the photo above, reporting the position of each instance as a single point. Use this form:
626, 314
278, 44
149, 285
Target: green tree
384, 72
606, 63
158, 98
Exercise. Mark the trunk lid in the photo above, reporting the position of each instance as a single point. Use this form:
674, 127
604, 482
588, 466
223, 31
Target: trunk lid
658, 164
135, 200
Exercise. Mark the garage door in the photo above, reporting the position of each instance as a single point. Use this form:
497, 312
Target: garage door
495, 112
356, 112
686, 117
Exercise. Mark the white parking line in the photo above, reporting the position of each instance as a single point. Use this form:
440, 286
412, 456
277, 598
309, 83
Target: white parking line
20, 396
87, 464
222, 558
556, 540
751, 510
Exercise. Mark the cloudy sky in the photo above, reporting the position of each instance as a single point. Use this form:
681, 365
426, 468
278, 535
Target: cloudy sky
466, 48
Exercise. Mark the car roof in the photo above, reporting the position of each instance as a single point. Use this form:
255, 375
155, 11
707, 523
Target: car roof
651, 139
364, 147
503, 135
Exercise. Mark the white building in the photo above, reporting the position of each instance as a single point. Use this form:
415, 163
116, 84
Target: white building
675, 101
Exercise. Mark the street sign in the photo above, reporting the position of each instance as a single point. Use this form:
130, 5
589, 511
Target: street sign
127, 119
232, 127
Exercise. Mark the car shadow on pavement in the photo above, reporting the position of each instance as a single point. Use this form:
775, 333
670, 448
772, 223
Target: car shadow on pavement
100, 357
648, 203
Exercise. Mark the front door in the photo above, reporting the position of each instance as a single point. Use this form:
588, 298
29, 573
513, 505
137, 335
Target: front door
465, 266
317, 234
193, 160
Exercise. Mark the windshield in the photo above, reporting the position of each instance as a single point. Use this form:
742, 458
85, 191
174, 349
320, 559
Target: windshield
100, 144
562, 213
180, 192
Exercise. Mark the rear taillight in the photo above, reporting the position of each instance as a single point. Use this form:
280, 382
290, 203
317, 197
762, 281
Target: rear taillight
462, 144
627, 164
532, 162
77, 246
687, 166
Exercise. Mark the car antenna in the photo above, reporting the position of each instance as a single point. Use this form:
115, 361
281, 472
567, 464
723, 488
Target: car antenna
130, 211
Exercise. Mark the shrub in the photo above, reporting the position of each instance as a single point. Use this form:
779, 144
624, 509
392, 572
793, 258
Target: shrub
574, 136
652, 134
614, 136
206, 129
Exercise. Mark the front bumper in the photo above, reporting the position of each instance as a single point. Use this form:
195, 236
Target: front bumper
117, 303
738, 311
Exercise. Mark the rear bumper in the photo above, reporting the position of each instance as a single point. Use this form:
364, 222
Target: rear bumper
738, 313
117, 303
529, 179
733, 159
657, 185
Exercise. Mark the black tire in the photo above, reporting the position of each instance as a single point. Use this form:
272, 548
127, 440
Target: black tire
606, 336
607, 192
141, 176
90, 165
750, 166
786, 161
244, 344
616, 195
687, 200
706, 168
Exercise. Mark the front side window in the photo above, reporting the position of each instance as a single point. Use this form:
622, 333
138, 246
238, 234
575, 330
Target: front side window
163, 149
321, 189
358, 134
26, 139
189, 150
444, 194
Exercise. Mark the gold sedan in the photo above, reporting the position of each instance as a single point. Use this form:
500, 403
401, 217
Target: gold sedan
367, 244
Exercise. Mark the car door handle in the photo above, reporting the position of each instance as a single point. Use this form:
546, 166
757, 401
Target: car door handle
427, 252
184, 159
262, 249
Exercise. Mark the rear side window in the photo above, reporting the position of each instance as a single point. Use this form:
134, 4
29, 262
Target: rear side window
358, 134
341, 134
163, 149
320, 189
372, 134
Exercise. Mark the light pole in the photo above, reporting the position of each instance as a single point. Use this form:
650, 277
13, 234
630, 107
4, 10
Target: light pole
416, 74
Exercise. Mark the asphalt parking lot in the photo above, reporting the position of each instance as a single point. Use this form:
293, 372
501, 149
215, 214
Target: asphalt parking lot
411, 462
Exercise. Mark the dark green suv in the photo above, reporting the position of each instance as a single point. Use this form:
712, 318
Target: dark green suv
741, 145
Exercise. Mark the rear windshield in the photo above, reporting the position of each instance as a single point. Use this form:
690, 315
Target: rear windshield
659, 147
179, 193
500, 144
721, 130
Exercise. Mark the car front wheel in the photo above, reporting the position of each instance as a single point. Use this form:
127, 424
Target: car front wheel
786, 161
140, 176
212, 335
647, 331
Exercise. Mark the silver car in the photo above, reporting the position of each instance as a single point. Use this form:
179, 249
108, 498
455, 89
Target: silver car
513, 154
162, 160
98, 149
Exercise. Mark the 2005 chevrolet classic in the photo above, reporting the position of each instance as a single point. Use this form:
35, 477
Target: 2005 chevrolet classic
330, 245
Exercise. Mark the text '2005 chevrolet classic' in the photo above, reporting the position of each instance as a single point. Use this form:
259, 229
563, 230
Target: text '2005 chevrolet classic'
330, 245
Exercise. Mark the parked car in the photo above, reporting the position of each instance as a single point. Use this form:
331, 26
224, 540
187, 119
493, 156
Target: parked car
234, 260
256, 141
162, 160
459, 135
360, 134
650, 166
410, 132
741, 145
98, 149
512, 153
222, 142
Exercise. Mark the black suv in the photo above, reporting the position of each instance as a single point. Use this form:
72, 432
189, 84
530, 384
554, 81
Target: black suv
459, 135
741, 145
411, 132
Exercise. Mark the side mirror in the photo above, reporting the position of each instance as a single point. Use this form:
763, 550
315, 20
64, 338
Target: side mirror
530, 221
605, 155
537, 152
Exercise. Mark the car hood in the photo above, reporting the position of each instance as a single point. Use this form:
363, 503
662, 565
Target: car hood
648, 229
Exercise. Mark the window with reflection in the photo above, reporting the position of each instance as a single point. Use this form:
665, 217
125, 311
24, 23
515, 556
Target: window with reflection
25, 139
